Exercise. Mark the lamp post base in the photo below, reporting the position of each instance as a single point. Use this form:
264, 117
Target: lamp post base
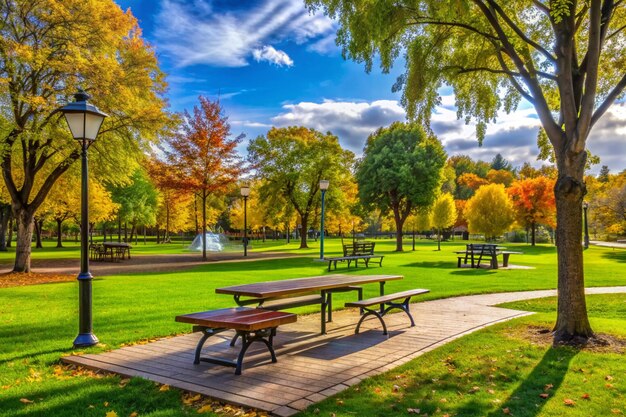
85, 340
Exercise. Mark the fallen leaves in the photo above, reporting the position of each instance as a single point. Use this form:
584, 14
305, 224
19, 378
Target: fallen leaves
164, 387
569, 402
111, 414
413, 410
544, 395
26, 401
12, 279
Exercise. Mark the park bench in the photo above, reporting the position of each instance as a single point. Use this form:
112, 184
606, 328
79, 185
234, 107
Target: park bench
475, 252
386, 303
354, 252
251, 324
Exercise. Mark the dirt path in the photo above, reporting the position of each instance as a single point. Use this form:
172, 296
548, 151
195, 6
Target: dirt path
142, 263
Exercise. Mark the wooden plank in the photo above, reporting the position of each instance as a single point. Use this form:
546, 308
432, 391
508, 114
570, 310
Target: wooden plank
290, 286
385, 298
240, 318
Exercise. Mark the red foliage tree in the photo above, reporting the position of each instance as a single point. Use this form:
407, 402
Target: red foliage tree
533, 199
203, 155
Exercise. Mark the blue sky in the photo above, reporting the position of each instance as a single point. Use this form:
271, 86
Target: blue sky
272, 63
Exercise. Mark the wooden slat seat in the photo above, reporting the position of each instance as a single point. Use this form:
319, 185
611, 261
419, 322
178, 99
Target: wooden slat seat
251, 324
386, 303
355, 252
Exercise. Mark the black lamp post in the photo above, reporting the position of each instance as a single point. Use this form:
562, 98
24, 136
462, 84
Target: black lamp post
323, 186
586, 237
245, 192
84, 121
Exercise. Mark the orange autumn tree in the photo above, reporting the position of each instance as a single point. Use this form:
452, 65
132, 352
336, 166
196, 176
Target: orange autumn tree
203, 155
534, 203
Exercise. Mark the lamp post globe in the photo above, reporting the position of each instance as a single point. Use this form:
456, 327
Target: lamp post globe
323, 187
245, 192
84, 121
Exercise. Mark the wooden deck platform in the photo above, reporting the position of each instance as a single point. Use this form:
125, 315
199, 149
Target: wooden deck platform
310, 367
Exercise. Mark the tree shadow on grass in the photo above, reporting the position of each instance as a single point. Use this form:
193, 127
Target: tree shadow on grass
615, 256
546, 377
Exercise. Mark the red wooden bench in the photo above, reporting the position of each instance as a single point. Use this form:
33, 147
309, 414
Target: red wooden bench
251, 324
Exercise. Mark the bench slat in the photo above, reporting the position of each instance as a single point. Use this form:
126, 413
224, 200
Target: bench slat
241, 318
386, 298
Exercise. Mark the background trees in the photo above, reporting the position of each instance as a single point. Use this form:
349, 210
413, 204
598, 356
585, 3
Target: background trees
401, 169
48, 48
291, 162
533, 200
443, 214
490, 211
562, 57
202, 155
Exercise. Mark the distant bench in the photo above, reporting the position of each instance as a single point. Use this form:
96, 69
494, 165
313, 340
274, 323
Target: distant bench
475, 252
354, 252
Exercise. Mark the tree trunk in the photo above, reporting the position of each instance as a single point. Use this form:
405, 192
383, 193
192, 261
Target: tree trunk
204, 196
10, 236
399, 223
572, 323
158, 234
533, 228
5, 214
288, 236
38, 224
125, 231
24, 220
59, 232
438, 239
167, 222
119, 229
303, 231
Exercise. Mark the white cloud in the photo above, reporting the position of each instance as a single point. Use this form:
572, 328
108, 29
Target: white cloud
196, 33
270, 54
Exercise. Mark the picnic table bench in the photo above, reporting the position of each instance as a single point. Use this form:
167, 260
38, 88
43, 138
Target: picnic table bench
386, 303
251, 324
475, 252
115, 251
354, 252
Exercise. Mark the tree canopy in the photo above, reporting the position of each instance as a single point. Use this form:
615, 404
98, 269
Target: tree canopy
291, 162
401, 169
490, 211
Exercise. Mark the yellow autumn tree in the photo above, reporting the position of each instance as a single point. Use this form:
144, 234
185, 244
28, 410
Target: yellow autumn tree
443, 214
489, 211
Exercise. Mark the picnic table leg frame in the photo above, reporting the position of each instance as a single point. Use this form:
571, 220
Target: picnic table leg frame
370, 312
505, 259
381, 293
404, 306
266, 336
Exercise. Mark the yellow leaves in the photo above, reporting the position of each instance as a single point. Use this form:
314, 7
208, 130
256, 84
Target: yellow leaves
33, 376
189, 399
133, 414
205, 409
111, 414
164, 388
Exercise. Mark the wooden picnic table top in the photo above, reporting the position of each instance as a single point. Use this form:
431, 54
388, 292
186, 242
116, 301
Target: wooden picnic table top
116, 244
300, 285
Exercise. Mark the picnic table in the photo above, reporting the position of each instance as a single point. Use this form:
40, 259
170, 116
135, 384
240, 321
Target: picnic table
263, 293
475, 252
117, 250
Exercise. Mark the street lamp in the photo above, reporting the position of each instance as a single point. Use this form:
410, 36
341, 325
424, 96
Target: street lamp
586, 238
84, 121
245, 192
323, 186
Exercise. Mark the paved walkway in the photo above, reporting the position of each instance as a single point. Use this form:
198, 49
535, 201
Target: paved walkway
311, 367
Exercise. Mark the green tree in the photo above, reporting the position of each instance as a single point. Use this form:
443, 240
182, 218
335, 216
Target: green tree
499, 163
47, 49
401, 169
564, 57
291, 162
137, 201
443, 214
490, 211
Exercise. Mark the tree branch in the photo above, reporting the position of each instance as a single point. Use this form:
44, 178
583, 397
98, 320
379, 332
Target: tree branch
609, 100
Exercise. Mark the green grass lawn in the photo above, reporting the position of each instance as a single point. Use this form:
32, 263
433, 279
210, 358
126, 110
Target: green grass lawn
501, 371
39, 322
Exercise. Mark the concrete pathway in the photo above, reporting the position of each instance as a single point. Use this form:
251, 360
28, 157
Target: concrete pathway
310, 366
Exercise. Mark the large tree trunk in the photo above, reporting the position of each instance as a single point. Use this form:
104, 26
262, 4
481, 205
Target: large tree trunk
59, 233
533, 228
24, 218
304, 231
572, 323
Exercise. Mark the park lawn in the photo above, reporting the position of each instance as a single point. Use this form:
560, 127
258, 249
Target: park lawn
502, 370
39, 322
